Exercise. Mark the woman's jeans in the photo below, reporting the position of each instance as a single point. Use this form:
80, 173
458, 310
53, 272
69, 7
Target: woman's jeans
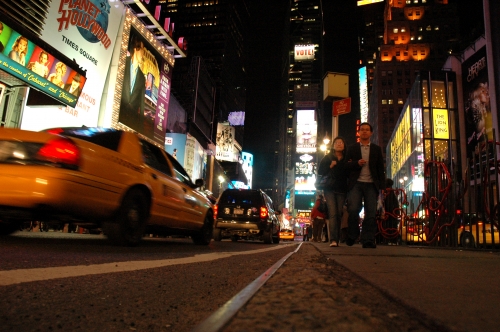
335, 202
317, 229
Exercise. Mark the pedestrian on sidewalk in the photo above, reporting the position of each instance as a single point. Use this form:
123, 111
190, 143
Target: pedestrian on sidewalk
334, 164
366, 178
304, 233
317, 219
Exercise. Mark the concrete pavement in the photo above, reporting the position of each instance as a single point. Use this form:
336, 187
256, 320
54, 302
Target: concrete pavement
457, 288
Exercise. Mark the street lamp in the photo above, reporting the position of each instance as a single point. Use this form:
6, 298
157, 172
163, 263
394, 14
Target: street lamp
324, 147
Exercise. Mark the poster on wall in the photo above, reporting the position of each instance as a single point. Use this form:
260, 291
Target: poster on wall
145, 94
22, 58
479, 124
85, 31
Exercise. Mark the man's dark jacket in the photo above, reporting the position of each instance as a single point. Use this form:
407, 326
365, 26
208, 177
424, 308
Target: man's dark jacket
375, 162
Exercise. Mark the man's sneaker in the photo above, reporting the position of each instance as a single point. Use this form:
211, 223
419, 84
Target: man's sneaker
334, 244
349, 242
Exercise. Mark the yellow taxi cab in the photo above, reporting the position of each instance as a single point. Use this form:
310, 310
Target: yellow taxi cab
477, 233
99, 178
287, 234
412, 230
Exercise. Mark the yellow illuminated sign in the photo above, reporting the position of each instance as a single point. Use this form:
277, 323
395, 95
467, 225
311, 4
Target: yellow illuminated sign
401, 143
367, 2
440, 123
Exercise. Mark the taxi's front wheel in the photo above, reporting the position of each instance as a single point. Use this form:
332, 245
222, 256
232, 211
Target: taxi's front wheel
131, 219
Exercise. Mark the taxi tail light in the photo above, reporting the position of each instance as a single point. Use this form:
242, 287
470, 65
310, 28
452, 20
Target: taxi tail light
216, 209
60, 151
263, 212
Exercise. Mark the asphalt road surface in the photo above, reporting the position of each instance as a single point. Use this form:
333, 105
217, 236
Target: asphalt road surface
79, 282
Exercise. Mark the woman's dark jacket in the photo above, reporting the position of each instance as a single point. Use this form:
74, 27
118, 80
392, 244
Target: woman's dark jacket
339, 172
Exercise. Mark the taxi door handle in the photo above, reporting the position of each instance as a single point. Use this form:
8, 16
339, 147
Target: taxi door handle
154, 176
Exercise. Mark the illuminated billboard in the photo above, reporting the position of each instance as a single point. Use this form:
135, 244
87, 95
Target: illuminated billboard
248, 166
236, 118
363, 94
85, 31
367, 2
476, 93
440, 123
306, 131
225, 143
401, 142
30, 63
145, 91
305, 173
304, 52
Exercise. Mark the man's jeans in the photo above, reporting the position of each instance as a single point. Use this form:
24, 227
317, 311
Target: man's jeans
362, 192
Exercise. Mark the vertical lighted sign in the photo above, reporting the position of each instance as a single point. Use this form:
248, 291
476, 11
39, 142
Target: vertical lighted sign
363, 94
306, 131
440, 123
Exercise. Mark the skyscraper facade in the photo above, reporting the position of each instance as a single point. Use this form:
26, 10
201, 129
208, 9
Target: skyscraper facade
418, 35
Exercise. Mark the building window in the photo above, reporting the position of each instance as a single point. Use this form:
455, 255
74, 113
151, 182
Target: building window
405, 53
428, 28
384, 73
403, 30
391, 101
395, 30
436, 28
398, 53
400, 101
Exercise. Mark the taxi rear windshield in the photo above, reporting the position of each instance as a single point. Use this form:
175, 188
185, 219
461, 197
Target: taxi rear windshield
241, 198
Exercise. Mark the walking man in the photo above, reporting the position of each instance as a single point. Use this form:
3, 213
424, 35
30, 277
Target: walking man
366, 177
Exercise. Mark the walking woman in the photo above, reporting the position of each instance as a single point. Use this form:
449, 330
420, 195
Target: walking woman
334, 163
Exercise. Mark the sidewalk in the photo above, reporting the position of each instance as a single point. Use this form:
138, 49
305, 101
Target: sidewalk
399, 288
458, 288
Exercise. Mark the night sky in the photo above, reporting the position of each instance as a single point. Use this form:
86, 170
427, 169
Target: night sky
264, 65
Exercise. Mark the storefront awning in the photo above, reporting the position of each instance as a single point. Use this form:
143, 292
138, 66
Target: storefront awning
234, 171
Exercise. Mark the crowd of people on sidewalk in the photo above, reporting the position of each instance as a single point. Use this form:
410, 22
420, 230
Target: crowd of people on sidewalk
349, 179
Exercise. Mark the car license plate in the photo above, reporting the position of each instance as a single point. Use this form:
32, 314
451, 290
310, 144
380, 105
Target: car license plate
238, 211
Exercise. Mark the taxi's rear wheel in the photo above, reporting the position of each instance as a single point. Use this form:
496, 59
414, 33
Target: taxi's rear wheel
468, 240
130, 224
205, 235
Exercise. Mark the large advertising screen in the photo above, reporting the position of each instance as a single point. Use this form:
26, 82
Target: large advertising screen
477, 100
145, 92
305, 173
306, 131
27, 61
363, 94
225, 147
85, 31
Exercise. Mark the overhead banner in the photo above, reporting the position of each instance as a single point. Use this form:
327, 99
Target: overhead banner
85, 31
22, 58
